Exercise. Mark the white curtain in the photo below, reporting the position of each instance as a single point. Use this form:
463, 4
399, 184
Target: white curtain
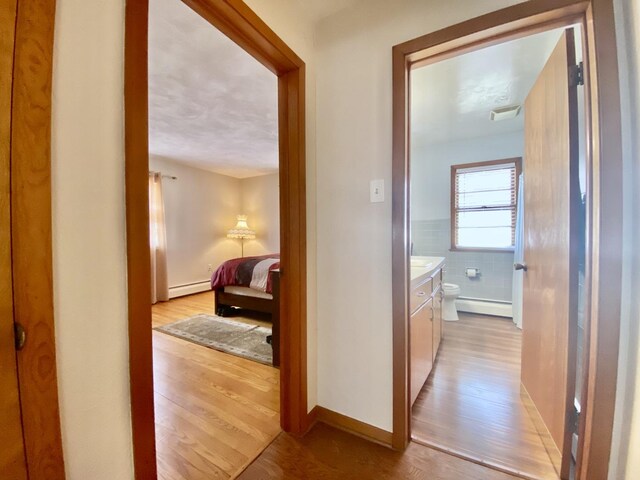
158, 240
518, 257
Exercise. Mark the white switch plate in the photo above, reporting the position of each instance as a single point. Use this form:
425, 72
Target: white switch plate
376, 191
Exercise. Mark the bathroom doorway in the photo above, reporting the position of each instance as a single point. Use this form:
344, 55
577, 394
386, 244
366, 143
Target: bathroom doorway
437, 48
469, 164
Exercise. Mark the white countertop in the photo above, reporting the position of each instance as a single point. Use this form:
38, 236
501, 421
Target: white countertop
423, 267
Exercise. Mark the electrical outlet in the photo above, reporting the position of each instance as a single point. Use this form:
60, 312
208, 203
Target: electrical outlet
209, 268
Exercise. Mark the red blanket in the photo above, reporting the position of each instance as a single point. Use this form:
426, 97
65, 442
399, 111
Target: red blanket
253, 272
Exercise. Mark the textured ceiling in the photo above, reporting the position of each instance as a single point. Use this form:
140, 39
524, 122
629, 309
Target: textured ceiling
211, 105
452, 99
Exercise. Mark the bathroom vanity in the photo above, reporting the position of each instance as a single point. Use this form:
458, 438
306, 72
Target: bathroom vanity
425, 307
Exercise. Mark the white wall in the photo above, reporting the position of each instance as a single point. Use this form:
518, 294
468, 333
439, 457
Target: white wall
89, 265
354, 236
261, 204
625, 462
200, 207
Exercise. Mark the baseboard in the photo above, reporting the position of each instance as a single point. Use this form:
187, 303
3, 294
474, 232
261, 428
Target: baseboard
311, 420
351, 425
485, 307
189, 289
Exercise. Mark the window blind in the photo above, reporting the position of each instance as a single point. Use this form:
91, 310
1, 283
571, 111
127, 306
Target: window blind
484, 200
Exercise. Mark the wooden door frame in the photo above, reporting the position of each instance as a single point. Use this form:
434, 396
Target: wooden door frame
236, 20
30, 261
604, 222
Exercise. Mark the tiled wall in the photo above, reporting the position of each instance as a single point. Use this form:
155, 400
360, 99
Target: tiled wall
432, 238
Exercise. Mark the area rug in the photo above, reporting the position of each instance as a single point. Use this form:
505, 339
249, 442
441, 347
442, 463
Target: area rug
229, 336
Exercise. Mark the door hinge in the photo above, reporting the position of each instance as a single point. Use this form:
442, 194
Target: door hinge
576, 75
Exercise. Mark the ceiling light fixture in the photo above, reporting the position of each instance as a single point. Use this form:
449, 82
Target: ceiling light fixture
505, 113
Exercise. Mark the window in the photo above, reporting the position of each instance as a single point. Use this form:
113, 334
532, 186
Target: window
484, 198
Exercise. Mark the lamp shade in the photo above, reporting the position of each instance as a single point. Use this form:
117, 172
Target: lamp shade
241, 230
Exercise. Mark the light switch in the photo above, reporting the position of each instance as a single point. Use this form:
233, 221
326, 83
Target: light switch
376, 191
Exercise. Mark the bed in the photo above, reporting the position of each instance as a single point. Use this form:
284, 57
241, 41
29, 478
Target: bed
250, 283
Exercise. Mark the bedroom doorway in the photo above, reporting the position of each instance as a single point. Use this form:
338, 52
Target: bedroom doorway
490, 31
256, 384
215, 241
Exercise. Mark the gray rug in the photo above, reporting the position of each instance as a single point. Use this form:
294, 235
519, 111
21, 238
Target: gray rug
229, 336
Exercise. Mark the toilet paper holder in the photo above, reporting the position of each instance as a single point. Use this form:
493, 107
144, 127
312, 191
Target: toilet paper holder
472, 272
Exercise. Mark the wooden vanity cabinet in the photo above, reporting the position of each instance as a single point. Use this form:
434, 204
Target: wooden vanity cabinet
437, 321
421, 324
425, 324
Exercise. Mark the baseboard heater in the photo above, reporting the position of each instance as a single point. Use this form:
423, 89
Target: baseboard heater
189, 289
485, 307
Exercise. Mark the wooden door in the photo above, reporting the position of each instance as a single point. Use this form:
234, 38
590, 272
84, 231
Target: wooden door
421, 328
550, 281
31, 445
12, 453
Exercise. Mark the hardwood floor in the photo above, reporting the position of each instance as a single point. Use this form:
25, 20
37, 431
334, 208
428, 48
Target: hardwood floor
328, 453
471, 403
215, 412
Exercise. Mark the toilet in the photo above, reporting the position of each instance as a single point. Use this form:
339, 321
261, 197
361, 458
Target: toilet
449, 311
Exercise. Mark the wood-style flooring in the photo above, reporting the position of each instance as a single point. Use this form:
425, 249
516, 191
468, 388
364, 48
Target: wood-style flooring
215, 412
471, 403
327, 453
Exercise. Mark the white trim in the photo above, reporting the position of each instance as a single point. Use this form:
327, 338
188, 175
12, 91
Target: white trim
485, 307
182, 290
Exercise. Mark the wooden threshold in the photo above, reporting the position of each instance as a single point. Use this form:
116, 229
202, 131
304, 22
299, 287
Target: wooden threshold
473, 459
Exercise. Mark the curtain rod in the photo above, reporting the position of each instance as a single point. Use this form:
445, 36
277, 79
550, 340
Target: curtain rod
170, 177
